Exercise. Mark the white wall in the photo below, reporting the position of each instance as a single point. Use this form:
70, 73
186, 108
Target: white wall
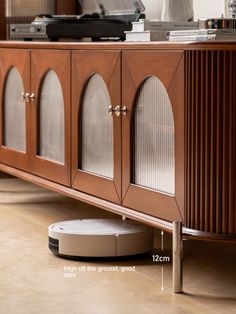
208, 8
153, 8
202, 8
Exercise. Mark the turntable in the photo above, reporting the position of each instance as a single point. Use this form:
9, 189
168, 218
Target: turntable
114, 18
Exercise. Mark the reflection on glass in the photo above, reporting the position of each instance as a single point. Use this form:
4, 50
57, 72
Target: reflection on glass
154, 165
97, 129
52, 117
14, 112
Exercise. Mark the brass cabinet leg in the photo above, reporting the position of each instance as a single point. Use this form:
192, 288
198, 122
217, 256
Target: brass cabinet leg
177, 258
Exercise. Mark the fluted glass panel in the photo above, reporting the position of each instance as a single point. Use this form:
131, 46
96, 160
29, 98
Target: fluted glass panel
52, 116
14, 112
154, 165
97, 129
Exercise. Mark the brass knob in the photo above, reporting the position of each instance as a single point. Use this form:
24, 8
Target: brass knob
110, 111
117, 111
124, 110
32, 97
25, 96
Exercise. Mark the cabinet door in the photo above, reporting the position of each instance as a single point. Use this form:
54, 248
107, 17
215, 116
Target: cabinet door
50, 114
14, 110
96, 135
153, 133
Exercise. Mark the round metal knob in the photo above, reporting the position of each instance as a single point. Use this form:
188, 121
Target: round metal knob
110, 111
25, 96
116, 110
32, 97
124, 110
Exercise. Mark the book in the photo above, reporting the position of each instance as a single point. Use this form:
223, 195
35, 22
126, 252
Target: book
191, 32
225, 38
146, 36
154, 25
226, 34
203, 34
192, 38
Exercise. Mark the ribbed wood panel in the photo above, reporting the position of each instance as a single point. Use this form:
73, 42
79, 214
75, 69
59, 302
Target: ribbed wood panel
211, 141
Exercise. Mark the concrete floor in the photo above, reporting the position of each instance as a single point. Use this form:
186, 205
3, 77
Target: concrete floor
32, 280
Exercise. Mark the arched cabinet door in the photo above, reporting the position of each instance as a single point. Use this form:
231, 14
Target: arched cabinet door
14, 111
50, 113
153, 133
96, 134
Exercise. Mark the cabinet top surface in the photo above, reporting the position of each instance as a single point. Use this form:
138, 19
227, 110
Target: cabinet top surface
120, 45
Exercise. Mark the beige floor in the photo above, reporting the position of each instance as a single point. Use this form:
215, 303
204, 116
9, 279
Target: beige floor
32, 280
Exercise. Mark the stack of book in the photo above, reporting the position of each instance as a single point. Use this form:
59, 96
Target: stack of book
191, 35
202, 34
153, 30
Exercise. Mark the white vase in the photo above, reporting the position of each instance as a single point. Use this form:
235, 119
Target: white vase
177, 10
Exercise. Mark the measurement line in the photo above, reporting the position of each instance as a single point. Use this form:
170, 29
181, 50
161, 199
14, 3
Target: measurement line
162, 278
162, 268
162, 240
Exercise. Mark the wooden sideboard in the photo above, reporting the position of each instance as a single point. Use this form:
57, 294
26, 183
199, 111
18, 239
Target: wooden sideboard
144, 130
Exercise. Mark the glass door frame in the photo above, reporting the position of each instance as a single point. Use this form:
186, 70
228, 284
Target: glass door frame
42, 61
169, 68
107, 65
19, 59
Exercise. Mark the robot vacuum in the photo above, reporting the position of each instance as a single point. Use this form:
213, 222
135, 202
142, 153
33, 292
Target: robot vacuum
99, 238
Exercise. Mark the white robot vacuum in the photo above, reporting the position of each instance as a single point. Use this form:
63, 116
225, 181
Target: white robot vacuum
99, 238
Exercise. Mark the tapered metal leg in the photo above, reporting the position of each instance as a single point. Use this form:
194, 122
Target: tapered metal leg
177, 258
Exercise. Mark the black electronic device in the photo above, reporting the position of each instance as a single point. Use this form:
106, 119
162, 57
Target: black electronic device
114, 18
